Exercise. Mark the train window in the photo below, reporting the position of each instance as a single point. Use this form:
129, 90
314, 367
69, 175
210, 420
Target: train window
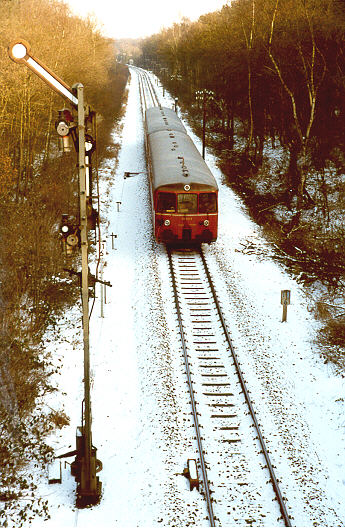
166, 203
187, 203
207, 203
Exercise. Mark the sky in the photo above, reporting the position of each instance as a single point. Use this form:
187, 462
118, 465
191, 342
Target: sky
135, 18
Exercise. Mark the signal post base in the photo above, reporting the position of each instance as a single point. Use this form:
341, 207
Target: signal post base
89, 496
89, 488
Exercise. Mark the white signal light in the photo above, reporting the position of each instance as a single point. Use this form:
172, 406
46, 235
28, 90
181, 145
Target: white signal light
206, 223
187, 187
19, 51
167, 222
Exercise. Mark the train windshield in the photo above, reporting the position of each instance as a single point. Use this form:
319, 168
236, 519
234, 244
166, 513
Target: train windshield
187, 203
207, 203
166, 203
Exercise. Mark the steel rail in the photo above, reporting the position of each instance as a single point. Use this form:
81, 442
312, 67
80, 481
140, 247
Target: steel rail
191, 392
273, 477
145, 88
145, 85
142, 93
151, 89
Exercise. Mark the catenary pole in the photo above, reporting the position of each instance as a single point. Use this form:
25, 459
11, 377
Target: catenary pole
204, 125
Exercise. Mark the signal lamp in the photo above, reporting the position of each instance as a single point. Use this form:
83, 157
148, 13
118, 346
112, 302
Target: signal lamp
65, 226
19, 51
70, 235
167, 222
62, 128
63, 125
72, 240
90, 144
65, 143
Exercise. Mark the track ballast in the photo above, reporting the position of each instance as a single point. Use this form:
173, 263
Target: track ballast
227, 431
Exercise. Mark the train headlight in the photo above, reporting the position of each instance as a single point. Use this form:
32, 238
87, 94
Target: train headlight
206, 223
167, 222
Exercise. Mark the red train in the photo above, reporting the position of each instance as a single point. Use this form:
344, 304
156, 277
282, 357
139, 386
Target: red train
184, 193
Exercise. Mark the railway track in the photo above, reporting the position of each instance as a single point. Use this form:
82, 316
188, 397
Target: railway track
148, 94
228, 436
228, 445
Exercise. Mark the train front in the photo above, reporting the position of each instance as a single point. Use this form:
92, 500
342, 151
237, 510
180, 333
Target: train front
183, 189
186, 214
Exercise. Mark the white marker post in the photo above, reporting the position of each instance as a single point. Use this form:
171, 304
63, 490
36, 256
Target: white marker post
285, 301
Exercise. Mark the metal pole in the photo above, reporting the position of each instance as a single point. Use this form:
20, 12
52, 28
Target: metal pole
204, 126
89, 490
86, 471
284, 318
102, 294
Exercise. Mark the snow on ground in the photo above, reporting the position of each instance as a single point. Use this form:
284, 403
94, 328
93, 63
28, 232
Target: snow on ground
141, 422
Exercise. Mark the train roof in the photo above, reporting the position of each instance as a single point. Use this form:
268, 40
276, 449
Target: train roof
176, 162
162, 118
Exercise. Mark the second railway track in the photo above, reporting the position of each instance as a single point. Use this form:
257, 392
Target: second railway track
148, 95
239, 481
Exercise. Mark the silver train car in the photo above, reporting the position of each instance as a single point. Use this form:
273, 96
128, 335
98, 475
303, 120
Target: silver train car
184, 193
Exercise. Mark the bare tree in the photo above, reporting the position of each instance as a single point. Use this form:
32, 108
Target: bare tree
313, 78
249, 38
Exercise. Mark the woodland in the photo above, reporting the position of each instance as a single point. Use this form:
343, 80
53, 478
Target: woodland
37, 185
269, 78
